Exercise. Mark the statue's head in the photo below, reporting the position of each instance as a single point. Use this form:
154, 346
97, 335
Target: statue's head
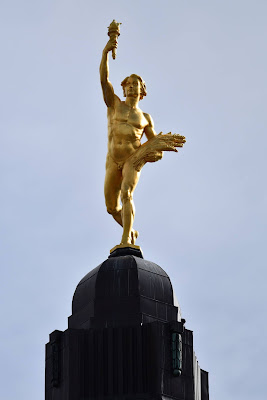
133, 84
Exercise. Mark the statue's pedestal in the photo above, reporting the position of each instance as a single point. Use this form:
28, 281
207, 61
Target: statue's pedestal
126, 339
125, 249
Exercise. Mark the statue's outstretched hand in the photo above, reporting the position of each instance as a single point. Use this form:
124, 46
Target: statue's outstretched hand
111, 44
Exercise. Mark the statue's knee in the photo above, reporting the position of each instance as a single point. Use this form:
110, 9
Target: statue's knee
113, 210
110, 210
126, 195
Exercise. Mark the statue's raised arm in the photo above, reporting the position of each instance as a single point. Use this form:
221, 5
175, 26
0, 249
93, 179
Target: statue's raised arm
107, 88
112, 44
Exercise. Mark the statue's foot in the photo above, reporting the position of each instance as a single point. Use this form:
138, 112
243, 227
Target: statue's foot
126, 243
130, 239
134, 236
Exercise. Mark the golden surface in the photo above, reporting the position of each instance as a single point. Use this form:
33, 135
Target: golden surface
126, 155
122, 246
113, 33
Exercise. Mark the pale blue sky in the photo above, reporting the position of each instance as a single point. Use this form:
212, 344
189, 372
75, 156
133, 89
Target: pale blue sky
201, 214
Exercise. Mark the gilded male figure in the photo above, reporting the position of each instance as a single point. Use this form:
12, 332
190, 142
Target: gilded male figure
126, 125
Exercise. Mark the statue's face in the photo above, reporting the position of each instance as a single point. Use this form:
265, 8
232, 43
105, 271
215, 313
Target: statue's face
133, 87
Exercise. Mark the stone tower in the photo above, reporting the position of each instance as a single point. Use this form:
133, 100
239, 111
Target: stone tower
125, 340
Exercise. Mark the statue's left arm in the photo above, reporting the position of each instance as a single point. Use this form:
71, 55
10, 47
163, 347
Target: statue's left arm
152, 150
149, 129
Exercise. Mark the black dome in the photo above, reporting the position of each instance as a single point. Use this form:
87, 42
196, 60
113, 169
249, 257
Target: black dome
125, 290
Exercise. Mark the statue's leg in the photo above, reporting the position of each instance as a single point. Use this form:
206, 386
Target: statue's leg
112, 190
130, 179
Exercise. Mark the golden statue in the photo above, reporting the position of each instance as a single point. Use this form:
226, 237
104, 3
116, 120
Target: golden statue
126, 155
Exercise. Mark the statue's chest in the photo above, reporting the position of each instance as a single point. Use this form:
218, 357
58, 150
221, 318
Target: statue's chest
130, 116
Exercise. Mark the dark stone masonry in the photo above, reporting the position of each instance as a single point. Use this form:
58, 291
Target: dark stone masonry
125, 340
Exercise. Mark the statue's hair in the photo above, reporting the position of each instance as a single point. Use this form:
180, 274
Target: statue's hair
142, 82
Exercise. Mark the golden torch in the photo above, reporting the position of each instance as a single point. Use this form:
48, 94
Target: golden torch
114, 33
